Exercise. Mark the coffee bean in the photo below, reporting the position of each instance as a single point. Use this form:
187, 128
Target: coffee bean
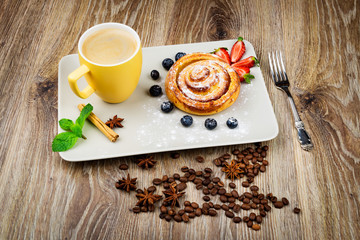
171, 179
198, 180
236, 208
187, 203
269, 196
162, 215
261, 196
264, 201
168, 217
200, 159
256, 227
157, 181
212, 212
175, 155
206, 181
187, 175
267, 207
217, 206
185, 218
176, 176
223, 198
246, 200
245, 184
263, 154
163, 209
242, 197
208, 170
192, 177
229, 214
192, 215
213, 191
285, 201
207, 175
234, 193
194, 205
136, 209
248, 195
246, 219
206, 191
124, 166
278, 204
261, 207
262, 168
297, 210
217, 162
263, 213
231, 199
205, 211
177, 218
198, 173
254, 188
249, 223
237, 219
188, 209
199, 186
227, 195
165, 178
216, 180
265, 163
226, 156
221, 184
144, 209
181, 186
232, 205
256, 200
181, 212
171, 212
252, 216
273, 199
198, 212
245, 206
185, 169
205, 206
253, 206
166, 185
183, 179
225, 207
210, 186
232, 185
206, 198
151, 189
258, 219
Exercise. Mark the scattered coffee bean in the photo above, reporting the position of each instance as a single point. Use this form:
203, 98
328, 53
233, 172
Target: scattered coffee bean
177, 218
237, 219
175, 155
181, 186
163, 209
225, 207
136, 209
212, 212
168, 217
157, 181
262, 213
267, 207
223, 198
285, 201
183, 179
181, 212
246, 219
166, 185
229, 214
171, 179
206, 181
199, 186
254, 188
252, 216
245, 184
258, 219
144, 209
200, 159
198, 173
232, 205
171, 212
216, 180
206, 206
192, 215
236, 208
206, 198
297, 210
151, 189
124, 166
189, 209
249, 223
217, 206
185, 169
198, 212
208, 170
232, 185
192, 177
185, 218
278, 204
256, 227
245, 206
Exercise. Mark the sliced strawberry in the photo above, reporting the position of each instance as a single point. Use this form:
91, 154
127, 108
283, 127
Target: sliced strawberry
238, 50
244, 73
222, 52
247, 62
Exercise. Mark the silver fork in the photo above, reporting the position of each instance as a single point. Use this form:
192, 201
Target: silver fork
281, 81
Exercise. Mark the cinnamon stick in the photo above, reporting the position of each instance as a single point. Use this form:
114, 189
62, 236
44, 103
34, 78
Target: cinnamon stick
108, 132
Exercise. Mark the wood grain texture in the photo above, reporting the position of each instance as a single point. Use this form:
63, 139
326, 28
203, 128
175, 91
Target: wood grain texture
44, 197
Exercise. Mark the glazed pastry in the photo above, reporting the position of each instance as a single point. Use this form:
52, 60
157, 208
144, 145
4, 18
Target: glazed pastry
202, 84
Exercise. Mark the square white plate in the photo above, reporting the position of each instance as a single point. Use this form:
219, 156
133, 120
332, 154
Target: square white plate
147, 129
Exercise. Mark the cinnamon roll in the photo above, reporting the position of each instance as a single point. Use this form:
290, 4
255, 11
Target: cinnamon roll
202, 84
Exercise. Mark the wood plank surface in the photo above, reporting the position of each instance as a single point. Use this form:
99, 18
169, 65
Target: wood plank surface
45, 197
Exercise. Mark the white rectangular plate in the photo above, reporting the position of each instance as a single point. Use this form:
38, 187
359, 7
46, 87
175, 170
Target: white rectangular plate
147, 129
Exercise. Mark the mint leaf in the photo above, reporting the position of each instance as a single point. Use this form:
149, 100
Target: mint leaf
85, 112
66, 124
64, 141
76, 129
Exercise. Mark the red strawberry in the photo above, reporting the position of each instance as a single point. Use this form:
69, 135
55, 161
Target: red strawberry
238, 50
244, 73
222, 52
247, 62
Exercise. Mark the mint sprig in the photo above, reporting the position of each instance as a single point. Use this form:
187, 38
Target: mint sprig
66, 140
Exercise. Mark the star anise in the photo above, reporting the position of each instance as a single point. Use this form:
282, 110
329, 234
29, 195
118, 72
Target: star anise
115, 122
126, 184
232, 170
172, 196
147, 198
146, 162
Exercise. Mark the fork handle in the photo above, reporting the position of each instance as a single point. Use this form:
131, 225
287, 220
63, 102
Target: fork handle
303, 136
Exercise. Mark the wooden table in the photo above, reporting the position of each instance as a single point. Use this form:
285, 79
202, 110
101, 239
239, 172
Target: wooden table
45, 197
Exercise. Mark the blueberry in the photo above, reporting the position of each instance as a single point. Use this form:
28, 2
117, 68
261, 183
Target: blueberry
179, 55
155, 90
167, 63
210, 123
167, 106
232, 123
154, 74
186, 121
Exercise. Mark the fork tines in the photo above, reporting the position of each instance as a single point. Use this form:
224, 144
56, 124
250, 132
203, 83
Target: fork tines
277, 68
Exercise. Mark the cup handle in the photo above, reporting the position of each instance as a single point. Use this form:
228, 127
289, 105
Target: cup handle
74, 77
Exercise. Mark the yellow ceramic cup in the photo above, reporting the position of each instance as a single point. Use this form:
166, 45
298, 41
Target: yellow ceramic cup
112, 83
